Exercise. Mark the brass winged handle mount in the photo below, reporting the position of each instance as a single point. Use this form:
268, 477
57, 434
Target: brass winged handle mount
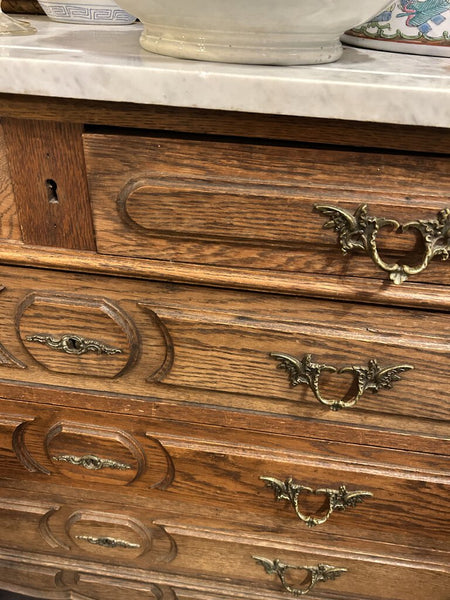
314, 575
338, 500
358, 231
371, 378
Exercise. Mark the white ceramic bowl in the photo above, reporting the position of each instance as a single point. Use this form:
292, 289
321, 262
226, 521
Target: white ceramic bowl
250, 31
412, 26
100, 12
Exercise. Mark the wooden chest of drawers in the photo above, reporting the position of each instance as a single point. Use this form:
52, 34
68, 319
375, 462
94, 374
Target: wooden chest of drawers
223, 372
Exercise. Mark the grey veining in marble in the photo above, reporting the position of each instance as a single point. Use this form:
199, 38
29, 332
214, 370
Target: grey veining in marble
106, 63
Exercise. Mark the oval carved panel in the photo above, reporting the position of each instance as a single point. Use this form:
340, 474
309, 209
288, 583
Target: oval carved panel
111, 536
101, 454
74, 334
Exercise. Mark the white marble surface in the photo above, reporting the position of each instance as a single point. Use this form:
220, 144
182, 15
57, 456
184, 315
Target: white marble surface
106, 63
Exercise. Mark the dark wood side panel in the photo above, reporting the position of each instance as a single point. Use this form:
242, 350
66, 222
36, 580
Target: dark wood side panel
47, 169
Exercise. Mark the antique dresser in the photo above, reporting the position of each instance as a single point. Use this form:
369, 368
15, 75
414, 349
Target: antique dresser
224, 340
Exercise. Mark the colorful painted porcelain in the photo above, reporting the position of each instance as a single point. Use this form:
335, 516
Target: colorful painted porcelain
250, 31
412, 26
101, 12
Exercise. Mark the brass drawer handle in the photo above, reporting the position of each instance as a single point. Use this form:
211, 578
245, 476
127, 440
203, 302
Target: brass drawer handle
359, 232
72, 344
314, 575
371, 378
337, 499
92, 462
107, 542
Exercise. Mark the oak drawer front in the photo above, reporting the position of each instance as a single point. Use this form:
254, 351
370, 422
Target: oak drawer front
245, 205
305, 487
164, 543
44, 581
223, 348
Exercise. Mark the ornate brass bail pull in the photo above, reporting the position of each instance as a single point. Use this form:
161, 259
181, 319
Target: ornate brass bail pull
337, 499
307, 372
72, 344
314, 575
359, 232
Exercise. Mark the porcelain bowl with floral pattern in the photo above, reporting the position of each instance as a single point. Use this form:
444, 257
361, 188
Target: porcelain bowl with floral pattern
250, 31
100, 12
410, 26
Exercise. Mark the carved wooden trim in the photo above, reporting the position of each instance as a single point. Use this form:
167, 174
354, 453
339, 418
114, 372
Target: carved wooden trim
164, 483
154, 539
169, 358
56, 583
73, 301
6, 358
122, 437
359, 289
46, 532
22, 453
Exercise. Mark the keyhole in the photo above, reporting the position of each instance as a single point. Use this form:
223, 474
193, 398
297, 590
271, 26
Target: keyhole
73, 343
52, 194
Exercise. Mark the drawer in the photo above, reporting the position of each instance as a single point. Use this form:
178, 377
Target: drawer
234, 203
250, 351
61, 580
308, 488
223, 556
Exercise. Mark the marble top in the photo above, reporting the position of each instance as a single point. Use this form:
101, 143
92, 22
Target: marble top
106, 63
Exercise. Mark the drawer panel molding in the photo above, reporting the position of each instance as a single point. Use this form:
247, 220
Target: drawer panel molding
119, 537
239, 204
131, 461
6, 358
65, 583
78, 335
84, 533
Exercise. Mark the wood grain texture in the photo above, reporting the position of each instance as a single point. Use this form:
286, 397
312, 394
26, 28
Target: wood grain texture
201, 412
9, 224
216, 471
222, 341
344, 288
224, 557
66, 580
228, 123
50, 187
183, 200
375, 430
67, 333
